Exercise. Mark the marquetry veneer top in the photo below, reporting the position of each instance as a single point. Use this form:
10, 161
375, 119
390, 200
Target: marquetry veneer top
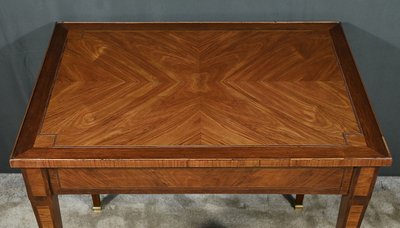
193, 85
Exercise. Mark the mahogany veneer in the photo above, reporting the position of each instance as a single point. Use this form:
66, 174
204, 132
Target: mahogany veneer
199, 108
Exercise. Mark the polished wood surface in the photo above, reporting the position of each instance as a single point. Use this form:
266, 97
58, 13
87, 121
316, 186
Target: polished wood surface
44, 202
132, 91
269, 107
202, 180
96, 202
123, 88
354, 204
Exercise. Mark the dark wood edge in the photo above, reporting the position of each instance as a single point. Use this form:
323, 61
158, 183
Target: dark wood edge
346, 180
27, 185
359, 98
54, 180
192, 163
41, 93
294, 25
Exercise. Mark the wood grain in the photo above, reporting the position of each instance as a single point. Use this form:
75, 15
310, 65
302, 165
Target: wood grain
269, 107
45, 217
364, 112
354, 204
134, 91
43, 200
36, 176
354, 216
199, 88
41, 93
201, 157
364, 182
199, 180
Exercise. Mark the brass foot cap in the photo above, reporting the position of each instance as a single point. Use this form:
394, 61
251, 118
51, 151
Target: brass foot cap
298, 207
96, 209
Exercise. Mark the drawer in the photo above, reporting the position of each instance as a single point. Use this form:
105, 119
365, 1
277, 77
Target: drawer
202, 180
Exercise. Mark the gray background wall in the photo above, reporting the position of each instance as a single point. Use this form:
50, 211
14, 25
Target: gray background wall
372, 28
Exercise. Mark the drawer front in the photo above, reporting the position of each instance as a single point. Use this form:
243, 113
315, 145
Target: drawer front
202, 180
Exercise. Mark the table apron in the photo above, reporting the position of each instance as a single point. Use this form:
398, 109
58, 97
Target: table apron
201, 180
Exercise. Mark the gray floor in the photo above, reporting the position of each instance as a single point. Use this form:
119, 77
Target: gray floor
202, 211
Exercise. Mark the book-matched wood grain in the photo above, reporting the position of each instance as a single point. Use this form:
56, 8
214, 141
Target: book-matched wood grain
272, 91
163, 88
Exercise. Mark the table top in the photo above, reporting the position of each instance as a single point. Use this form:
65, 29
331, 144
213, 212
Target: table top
286, 94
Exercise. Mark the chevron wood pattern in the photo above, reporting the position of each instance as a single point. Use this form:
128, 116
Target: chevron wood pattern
205, 87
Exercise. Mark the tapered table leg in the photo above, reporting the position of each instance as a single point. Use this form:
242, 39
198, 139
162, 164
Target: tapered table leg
298, 202
355, 203
44, 202
96, 203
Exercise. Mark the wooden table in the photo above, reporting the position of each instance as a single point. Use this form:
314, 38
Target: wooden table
199, 108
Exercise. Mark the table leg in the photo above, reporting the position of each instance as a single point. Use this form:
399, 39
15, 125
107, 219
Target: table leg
355, 203
96, 203
298, 202
44, 202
